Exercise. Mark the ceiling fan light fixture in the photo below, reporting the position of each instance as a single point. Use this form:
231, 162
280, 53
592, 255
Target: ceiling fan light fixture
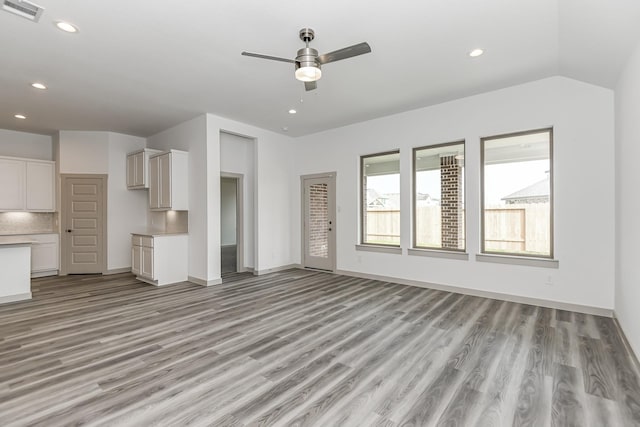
308, 74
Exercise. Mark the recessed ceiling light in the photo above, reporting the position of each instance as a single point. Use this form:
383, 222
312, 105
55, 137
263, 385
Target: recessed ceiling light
284, 128
38, 85
292, 111
65, 26
20, 116
476, 52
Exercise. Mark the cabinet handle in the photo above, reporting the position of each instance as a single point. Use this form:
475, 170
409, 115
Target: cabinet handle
69, 230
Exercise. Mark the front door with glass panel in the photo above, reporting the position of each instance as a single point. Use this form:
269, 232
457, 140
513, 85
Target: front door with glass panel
319, 223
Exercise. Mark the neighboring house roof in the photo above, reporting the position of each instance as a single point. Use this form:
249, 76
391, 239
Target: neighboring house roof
425, 199
384, 201
537, 192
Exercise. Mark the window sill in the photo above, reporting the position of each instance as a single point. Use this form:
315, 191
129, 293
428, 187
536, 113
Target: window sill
463, 256
381, 249
517, 260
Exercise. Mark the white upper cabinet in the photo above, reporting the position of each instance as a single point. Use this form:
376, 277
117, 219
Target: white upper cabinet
138, 168
41, 186
168, 181
13, 189
27, 185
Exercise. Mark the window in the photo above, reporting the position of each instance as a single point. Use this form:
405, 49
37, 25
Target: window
380, 196
438, 198
517, 194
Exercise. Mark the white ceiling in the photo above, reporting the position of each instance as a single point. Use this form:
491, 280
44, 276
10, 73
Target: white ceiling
139, 67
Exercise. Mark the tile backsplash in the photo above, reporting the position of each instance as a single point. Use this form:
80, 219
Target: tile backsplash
27, 222
169, 221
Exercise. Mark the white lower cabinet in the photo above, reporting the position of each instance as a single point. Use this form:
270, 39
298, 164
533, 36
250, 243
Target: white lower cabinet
160, 259
44, 255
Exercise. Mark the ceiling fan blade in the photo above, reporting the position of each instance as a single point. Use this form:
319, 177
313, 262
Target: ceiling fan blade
273, 58
310, 85
347, 52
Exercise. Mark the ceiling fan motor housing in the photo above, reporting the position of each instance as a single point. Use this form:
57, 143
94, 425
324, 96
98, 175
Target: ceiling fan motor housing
307, 57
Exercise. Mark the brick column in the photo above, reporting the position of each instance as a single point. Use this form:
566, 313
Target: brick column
451, 201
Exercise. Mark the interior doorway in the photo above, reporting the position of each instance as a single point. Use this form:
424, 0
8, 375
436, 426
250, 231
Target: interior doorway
319, 221
84, 230
231, 230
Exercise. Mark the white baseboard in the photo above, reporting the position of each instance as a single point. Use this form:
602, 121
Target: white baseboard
627, 343
203, 282
117, 271
597, 311
44, 274
15, 298
276, 269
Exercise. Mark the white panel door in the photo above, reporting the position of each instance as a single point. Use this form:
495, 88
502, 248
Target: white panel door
319, 226
84, 225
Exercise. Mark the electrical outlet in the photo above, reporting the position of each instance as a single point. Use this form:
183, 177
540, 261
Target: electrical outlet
549, 281
359, 259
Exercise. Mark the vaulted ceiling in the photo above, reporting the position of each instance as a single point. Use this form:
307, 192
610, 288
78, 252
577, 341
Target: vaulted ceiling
138, 67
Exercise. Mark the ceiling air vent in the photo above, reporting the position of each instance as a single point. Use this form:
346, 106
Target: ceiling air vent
23, 8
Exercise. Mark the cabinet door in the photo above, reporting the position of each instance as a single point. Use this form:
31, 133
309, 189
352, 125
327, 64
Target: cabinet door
131, 170
44, 257
136, 259
140, 170
12, 189
154, 182
165, 181
40, 186
147, 263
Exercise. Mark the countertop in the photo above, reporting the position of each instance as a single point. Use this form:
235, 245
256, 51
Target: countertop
15, 240
150, 233
30, 233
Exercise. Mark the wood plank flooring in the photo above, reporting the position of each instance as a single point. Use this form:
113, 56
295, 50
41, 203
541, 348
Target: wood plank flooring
304, 348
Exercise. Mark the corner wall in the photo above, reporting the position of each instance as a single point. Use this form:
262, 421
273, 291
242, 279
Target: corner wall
82, 152
201, 138
126, 209
627, 108
583, 122
237, 156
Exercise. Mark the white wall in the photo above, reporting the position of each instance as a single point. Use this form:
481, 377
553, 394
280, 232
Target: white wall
81, 152
228, 201
27, 145
582, 117
272, 187
237, 156
201, 137
126, 209
191, 136
627, 200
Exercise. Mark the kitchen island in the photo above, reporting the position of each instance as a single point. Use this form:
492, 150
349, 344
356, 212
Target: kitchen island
15, 268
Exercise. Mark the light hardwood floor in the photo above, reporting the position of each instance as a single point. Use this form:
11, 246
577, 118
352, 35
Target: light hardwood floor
304, 348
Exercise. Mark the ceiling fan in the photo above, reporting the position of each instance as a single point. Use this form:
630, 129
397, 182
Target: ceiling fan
308, 62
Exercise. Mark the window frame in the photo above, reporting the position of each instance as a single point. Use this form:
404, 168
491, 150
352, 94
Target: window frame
414, 206
363, 198
483, 250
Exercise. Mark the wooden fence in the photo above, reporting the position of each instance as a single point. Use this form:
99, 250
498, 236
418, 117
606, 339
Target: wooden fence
522, 228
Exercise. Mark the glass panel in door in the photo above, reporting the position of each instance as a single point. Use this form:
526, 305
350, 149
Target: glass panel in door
318, 223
